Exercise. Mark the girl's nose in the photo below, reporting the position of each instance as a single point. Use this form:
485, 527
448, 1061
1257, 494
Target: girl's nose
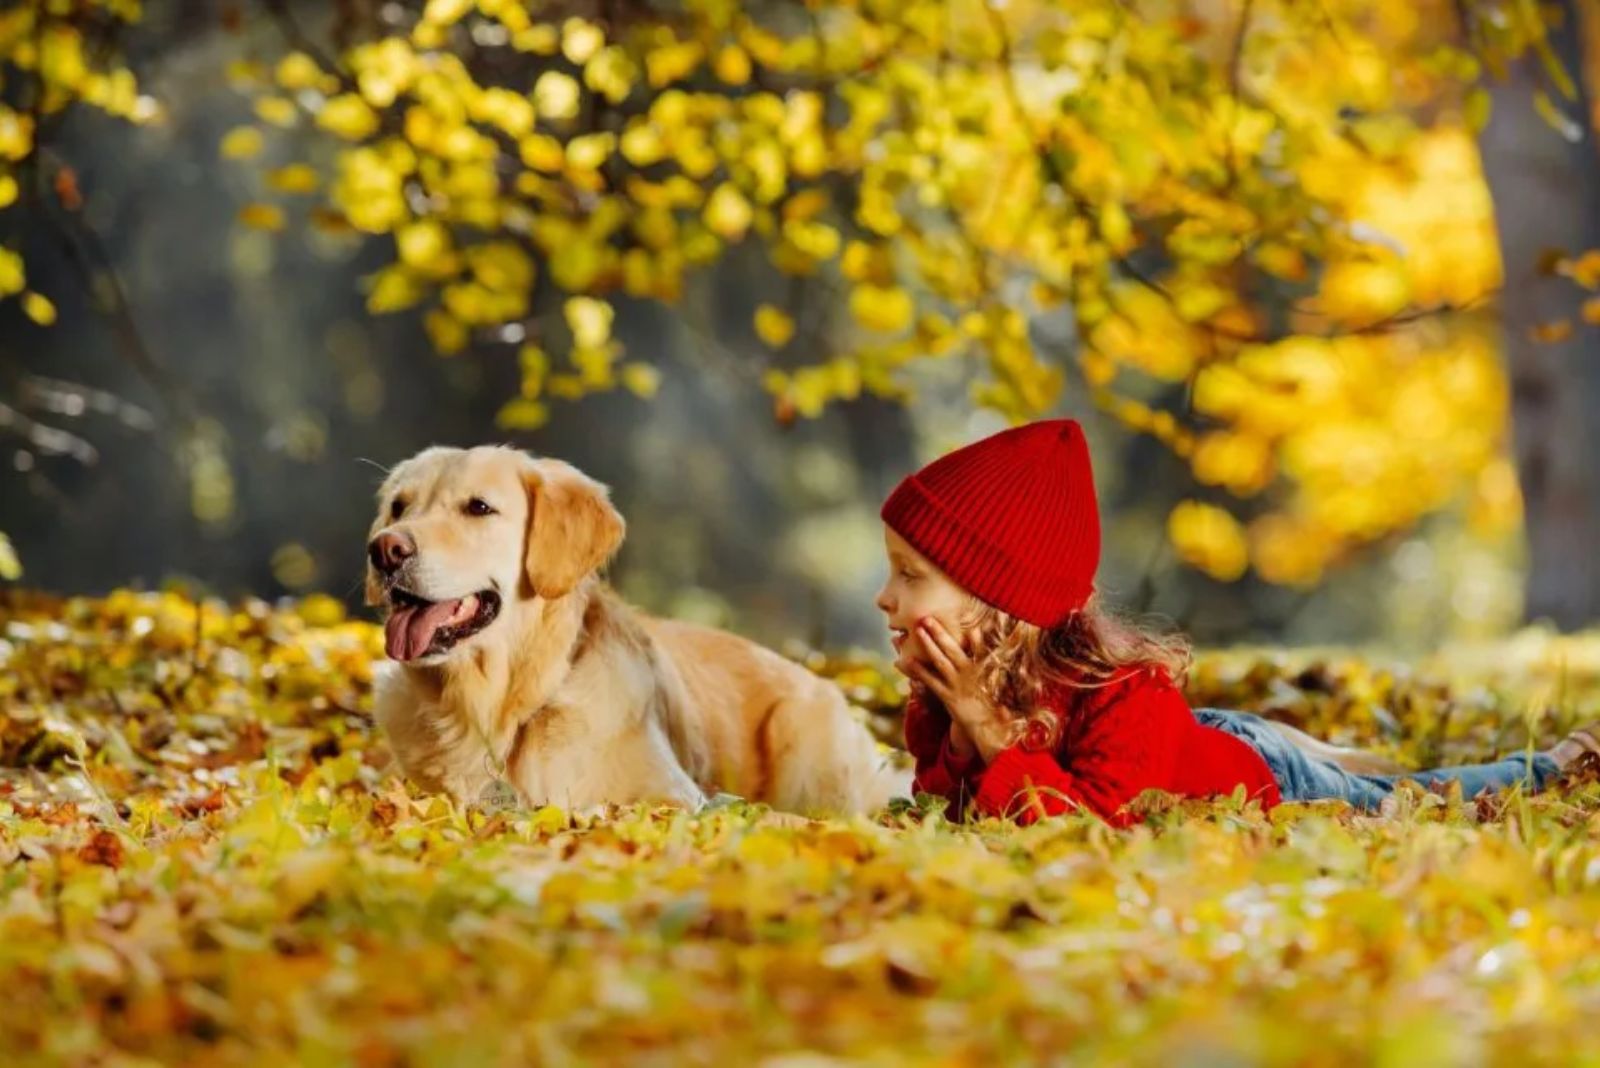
885, 605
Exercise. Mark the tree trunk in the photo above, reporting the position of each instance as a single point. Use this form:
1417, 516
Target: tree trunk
1546, 192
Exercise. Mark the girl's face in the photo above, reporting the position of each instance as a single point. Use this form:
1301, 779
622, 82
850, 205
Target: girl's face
917, 590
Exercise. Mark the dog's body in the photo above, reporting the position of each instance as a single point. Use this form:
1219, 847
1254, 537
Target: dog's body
516, 662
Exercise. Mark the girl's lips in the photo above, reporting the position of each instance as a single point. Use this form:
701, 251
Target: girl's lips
896, 638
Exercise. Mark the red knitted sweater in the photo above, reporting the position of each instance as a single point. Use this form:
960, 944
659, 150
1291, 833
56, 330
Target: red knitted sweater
1135, 734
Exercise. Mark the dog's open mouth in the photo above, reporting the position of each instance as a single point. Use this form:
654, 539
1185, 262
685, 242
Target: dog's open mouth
419, 628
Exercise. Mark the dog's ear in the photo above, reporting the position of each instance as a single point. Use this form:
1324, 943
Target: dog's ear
572, 527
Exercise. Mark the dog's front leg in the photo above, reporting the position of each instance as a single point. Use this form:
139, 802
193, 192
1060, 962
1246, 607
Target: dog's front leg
635, 767
664, 777
439, 752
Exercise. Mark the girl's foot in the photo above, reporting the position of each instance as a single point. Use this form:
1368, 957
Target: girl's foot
1569, 750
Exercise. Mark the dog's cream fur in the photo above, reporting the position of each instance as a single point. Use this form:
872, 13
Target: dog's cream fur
571, 696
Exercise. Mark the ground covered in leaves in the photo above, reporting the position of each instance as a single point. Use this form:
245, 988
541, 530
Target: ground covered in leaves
203, 861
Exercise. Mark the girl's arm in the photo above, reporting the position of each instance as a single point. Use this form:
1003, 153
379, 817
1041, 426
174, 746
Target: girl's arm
940, 768
1128, 746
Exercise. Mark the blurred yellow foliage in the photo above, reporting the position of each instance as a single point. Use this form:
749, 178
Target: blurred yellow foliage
773, 325
53, 56
262, 216
10, 566
242, 142
1210, 539
1253, 203
39, 308
1042, 141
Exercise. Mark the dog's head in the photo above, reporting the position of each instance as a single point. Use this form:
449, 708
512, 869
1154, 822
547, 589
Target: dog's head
461, 531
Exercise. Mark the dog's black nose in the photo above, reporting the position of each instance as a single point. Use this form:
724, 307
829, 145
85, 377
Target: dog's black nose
389, 550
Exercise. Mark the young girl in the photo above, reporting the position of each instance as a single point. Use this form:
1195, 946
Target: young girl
1029, 700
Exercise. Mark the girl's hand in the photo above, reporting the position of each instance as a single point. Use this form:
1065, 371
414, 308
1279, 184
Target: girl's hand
950, 673
960, 745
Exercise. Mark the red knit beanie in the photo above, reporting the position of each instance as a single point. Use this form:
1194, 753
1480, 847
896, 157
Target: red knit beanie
1011, 519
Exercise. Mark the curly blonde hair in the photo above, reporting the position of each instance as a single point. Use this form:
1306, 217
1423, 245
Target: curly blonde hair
1096, 647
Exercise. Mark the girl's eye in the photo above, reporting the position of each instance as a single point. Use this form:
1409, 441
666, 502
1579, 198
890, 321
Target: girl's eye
479, 507
397, 509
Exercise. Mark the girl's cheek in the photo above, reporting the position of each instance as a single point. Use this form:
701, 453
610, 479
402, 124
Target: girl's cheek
916, 648
953, 627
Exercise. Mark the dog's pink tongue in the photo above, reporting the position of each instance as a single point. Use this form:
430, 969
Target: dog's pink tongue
410, 629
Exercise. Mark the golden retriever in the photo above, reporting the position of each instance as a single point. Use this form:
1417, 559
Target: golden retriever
511, 661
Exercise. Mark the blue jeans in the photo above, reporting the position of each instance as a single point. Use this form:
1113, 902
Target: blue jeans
1305, 778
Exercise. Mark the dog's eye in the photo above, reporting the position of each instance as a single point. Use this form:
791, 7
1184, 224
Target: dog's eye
397, 509
478, 506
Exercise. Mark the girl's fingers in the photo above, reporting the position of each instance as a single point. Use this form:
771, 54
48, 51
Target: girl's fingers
929, 678
911, 669
938, 658
941, 640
